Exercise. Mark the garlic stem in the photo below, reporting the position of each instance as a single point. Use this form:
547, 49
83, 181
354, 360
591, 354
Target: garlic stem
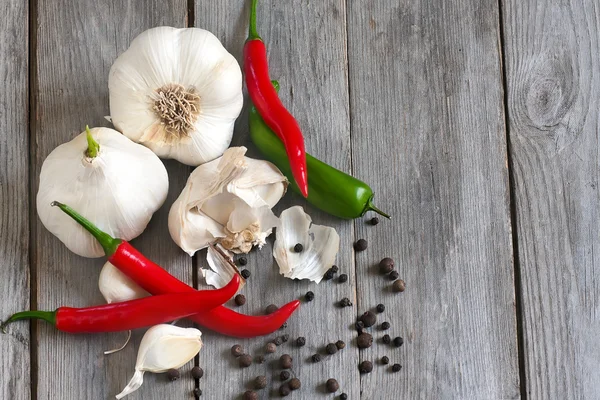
93, 146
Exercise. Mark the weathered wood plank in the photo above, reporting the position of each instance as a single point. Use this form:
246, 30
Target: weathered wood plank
553, 81
77, 43
14, 192
306, 43
428, 134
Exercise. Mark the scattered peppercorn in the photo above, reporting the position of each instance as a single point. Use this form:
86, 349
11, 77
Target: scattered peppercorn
172, 374
245, 360
260, 382
284, 390
295, 384
334, 269
385, 360
369, 319
271, 347
197, 372
309, 296
343, 278
285, 361
393, 275
399, 286
360, 245
345, 302
385, 325
243, 260
278, 341
245, 274
365, 340
386, 339
396, 367
328, 275
340, 344
271, 308
250, 395
360, 326
285, 338
343, 396
365, 367
331, 348
283, 326
316, 358
374, 221
301, 341
197, 392
386, 265
380, 308
240, 300
284, 375
259, 359
298, 247
398, 341
332, 385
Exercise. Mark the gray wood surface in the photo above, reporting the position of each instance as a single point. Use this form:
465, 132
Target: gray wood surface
14, 194
428, 133
553, 75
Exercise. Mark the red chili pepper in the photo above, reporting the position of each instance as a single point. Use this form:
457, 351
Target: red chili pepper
269, 106
132, 314
156, 280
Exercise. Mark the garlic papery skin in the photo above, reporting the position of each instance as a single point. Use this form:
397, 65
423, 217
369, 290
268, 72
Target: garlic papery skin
221, 268
118, 190
227, 200
163, 347
178, 92
116, 287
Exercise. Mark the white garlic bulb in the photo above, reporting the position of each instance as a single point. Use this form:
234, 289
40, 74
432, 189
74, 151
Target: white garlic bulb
178, 92
118, 189
163, 347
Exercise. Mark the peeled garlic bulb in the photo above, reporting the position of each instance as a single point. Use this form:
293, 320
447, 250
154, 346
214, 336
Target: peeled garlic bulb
178, 92
116, 287
119, 189
227, 200
163, 347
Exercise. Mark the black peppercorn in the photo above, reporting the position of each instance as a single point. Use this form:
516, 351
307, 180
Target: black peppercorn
385, 325
398, 341
331, 348
343, 278
316, 358
250, 395
243, 260
259, 359
393, 275
197, 372
386, 265
284, 390
301, 341
245, 274
309, 296
172, 374
283, 326
386, 339
328, 275
285, 361
360, 326
380, 308
285, 338
369, 319
284, 375
271, 308
345, 302
365, 367
364, 340
295, 384
374, 221
260, 382
396, 367
245, 360
399, 286
385, 360
360, 245
340, 344
197, 392
334, 269
278, 341
271, 347
298, 247
236, 350
240, 300
343, 396
332, 385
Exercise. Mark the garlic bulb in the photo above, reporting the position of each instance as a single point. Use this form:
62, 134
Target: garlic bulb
106, 177
163, 347
228, 200
116, 287
178, 92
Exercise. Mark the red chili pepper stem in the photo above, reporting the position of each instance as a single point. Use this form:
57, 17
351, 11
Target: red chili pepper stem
108, 243
252, 32
48, 316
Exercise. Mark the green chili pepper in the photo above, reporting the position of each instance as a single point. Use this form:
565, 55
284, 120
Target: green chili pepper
330, 189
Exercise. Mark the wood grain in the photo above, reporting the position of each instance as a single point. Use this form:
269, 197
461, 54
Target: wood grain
428, 134
77, 43
14, 193
306, 44
553, 80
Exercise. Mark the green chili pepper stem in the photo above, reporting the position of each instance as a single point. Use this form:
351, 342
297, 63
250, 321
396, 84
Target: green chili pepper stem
371, 206
108, 243
49, 316
252, 32
93, 146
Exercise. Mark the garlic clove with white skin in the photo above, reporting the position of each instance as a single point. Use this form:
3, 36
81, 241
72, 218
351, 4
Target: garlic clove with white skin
229, 201
221, 268
118, 189
163, 347
178, 92
116, 287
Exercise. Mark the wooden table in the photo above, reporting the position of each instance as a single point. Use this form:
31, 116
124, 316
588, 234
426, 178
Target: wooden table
476, 123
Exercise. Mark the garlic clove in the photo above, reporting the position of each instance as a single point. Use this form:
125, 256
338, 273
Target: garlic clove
116, 287
222, 268
321, 245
